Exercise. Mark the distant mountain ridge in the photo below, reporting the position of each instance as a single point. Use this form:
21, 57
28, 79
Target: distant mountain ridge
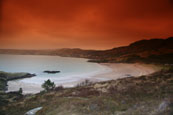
153, 50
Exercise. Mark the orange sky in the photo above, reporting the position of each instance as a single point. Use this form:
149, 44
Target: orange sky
86, 24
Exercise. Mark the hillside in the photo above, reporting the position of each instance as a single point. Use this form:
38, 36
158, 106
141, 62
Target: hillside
145, 95
153, 50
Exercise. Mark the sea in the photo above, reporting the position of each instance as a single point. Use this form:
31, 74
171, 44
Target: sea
72, 71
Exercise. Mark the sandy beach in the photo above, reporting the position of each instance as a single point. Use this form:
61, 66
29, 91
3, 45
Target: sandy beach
112, 71
122, 70
119, 70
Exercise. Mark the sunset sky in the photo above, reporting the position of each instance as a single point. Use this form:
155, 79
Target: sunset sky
86, 24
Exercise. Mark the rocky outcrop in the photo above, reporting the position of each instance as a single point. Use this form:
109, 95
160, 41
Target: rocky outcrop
5, 77
33, 111
27, 75
51, 72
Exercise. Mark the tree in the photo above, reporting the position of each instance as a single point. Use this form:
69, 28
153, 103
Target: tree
48, 85
20, 91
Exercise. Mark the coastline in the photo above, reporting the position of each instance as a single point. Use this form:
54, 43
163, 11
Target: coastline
114, 71
110, 71
135, 95
123, 70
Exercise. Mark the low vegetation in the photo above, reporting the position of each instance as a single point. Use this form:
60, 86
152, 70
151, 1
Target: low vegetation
84, 83
7, 76
48, 85
145, 95
6, 98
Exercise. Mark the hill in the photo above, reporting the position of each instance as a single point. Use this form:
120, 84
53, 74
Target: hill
144, 95
153, 50
149, 51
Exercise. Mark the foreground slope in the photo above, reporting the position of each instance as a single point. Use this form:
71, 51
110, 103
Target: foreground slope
145, 95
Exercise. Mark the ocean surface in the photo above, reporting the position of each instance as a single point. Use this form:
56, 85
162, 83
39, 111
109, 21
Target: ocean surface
73, 70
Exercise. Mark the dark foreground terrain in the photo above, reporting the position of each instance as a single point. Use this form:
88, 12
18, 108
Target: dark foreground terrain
144, 95
7, 98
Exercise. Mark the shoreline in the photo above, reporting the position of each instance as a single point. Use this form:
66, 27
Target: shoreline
114, 71
123, 70
111, 71
36, 88
144, 94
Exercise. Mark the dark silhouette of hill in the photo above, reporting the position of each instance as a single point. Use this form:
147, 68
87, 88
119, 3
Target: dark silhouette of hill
154, 50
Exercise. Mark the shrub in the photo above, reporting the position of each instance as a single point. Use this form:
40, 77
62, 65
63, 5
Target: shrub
84, 83
48, 85
59, 88
20, 91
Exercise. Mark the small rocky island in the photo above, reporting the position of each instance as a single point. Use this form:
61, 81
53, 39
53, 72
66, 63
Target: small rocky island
51, 72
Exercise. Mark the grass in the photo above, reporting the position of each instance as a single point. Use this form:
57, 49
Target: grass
86, 82
6, 98
2, 84
136, 96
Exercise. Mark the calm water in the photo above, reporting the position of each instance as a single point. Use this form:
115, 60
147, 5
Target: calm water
72, 70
